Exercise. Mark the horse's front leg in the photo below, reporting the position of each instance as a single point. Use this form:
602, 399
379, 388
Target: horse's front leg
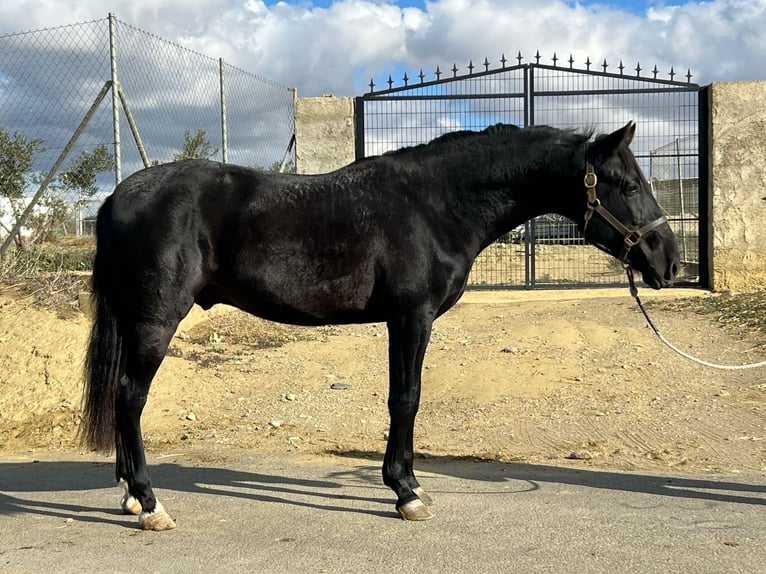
408, 339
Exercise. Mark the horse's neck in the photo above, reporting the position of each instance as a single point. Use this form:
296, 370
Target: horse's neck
497, 192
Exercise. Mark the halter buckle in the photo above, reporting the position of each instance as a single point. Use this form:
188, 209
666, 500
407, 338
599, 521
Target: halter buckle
590, 180
632, 239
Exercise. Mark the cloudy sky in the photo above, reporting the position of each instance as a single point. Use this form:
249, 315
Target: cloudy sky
336, 46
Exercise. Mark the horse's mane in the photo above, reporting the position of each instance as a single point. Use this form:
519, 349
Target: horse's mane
499, 132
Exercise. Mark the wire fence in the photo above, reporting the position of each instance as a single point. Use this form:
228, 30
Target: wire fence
70, 94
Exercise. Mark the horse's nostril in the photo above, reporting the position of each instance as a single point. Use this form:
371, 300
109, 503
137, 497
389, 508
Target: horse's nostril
672, 271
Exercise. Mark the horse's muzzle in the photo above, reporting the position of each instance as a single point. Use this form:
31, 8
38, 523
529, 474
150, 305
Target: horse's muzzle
659, 266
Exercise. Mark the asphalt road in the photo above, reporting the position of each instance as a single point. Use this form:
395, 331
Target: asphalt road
252, 513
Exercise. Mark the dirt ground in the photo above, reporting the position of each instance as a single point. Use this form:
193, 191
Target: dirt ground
560, 377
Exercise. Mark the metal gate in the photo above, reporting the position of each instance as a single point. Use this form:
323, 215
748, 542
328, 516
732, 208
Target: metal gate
549, 251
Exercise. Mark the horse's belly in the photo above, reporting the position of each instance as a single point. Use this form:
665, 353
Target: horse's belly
305, 299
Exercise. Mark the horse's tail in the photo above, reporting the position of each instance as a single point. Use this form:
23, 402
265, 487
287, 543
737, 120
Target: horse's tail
102, 361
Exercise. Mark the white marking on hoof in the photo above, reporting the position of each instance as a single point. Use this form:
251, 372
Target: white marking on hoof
415, 510
423, 496
157, 519
128, 502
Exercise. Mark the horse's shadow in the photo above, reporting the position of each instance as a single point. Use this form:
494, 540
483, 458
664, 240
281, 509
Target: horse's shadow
55, 478
535, 475
44, 484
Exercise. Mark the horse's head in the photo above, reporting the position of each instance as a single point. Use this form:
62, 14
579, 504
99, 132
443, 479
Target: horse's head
621, 215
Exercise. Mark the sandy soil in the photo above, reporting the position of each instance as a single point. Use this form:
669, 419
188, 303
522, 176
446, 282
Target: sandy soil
569, 378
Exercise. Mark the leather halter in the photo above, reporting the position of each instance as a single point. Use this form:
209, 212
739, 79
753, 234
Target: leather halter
631, 237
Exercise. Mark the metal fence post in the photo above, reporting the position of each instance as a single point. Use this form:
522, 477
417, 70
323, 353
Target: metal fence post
115, 98
224, 134
359, 127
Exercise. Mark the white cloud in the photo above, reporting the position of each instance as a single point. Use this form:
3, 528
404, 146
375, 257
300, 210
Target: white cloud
333, 49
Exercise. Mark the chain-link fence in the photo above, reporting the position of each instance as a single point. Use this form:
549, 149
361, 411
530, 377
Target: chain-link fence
67, 137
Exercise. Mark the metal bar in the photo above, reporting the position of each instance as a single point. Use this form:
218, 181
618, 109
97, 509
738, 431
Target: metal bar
492, 96
115, 99
681, 197
652, 154
529, 86
526, 97
529, 226
133, 126
619, 91
705, 177
286, 155
692, 87
52, 173
446, 80
224, 134
359, 150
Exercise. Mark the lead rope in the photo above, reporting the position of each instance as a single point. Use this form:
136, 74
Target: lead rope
634, 294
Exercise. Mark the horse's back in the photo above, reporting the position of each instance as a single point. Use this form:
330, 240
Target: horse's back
167, 190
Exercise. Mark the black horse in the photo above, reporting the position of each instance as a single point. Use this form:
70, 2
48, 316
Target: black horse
389, 238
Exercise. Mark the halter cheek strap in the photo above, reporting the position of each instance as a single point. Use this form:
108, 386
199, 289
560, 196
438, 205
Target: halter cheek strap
631, 237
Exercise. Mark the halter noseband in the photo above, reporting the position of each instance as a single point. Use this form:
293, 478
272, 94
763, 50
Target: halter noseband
631, 237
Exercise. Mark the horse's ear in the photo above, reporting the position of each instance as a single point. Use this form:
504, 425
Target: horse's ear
629, 131
608, 145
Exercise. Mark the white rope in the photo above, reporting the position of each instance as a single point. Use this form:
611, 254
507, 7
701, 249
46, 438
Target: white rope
706, 363
634, 293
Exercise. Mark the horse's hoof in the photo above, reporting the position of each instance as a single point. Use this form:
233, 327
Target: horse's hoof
423, 496
157, 519
130, 504
415, 510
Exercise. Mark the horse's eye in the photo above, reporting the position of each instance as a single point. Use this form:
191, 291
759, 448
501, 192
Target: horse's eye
632, 190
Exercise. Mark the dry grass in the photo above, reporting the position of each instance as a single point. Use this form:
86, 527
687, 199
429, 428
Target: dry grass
52, 276
739, 312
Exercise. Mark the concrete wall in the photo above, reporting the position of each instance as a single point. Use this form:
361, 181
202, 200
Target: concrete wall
738, 170
324, 133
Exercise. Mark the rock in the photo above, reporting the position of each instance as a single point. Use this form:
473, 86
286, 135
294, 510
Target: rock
580, 455
275, 423
191, 417
215, 338
85, 304
340, 386
512, 350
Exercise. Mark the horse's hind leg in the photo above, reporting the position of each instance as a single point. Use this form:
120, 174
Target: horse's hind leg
144, 350
408, 338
